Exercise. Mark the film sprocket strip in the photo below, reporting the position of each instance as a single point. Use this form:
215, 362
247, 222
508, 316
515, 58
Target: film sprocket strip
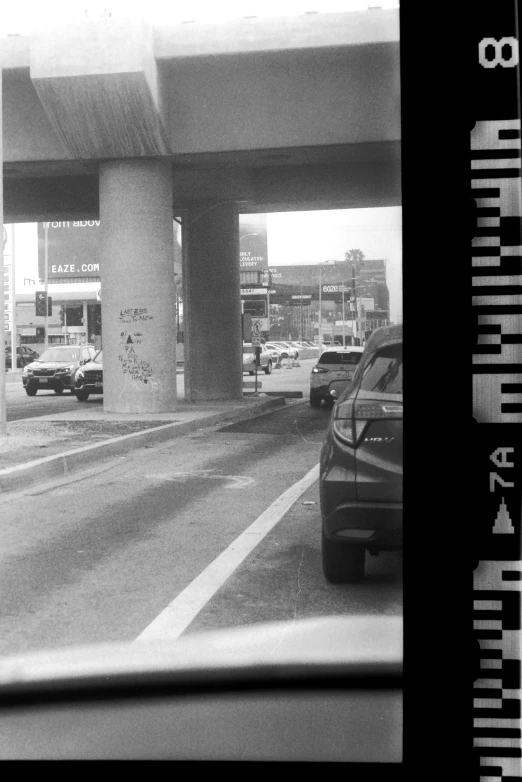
496, 190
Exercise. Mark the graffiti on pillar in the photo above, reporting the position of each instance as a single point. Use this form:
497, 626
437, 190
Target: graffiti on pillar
134, 315
131, 364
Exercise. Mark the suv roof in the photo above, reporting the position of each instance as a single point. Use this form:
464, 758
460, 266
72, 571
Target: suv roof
385, 335
68, 347
340, 349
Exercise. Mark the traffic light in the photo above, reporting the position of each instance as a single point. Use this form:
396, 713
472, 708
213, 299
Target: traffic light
40, 304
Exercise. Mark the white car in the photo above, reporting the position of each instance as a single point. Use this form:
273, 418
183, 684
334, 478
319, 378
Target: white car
288, 350
249, 359
334, 370
277, 351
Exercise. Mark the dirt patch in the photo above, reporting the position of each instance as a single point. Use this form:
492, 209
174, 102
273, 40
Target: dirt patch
29, 439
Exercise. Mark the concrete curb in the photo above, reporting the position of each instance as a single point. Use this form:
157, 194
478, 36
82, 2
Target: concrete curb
23, 475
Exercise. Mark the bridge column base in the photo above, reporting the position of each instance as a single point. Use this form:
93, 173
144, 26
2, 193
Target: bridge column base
138, 289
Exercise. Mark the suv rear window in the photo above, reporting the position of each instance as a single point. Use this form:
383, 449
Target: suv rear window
383, 373
332, 357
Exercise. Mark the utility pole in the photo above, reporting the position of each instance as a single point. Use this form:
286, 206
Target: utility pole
14, 354
46, 282
344, 329
301, 318
320, 309
3, 413
354, 295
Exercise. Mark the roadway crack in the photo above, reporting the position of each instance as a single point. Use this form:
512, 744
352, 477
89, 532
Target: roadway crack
298, 592
311, 442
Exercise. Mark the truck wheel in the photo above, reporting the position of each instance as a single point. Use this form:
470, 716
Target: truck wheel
82, 396
268, 368
343, 563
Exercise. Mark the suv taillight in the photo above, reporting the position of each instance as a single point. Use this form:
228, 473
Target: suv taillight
317, 368
352, 417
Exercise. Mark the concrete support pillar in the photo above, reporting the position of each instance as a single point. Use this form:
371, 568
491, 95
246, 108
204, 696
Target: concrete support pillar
212, 304
138, 290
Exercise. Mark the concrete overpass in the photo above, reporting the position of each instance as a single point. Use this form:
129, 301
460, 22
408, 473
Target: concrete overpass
116, 120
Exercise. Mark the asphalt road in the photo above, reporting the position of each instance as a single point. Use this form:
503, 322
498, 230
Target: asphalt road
20, 406
101, 556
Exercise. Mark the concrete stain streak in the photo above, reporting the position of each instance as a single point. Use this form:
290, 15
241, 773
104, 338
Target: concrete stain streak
311, 442
278, 644
236, 481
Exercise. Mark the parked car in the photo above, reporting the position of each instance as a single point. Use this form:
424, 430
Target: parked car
89, 378
55, 368
360, 474
276, 351
249, 359
334, 370
24, 355
288, 350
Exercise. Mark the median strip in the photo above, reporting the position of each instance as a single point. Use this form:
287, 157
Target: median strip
19, 476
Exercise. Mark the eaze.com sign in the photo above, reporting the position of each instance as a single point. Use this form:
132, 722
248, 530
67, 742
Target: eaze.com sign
73, 249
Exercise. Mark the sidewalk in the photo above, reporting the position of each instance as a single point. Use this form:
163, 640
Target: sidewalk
49, 446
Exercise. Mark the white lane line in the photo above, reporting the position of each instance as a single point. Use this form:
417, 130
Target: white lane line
177, 616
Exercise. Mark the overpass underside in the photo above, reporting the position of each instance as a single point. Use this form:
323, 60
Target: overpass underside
112, 120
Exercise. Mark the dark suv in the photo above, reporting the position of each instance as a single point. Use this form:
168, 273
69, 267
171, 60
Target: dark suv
24, 355
55, 368
360, 478
89, 378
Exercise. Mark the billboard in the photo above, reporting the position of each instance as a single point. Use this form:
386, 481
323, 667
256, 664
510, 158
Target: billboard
253, 243
335, 277
73, 249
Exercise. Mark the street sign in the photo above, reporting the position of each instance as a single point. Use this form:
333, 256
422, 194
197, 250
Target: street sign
262, 323
256, 333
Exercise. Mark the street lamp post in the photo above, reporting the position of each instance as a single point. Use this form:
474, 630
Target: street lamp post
344, 329
320, 309
46, 281
3, 411
320, 264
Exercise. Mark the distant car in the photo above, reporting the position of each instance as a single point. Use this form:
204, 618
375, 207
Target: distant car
24, 355
277, 351
334, 370
249, 359
360, 473
288, 350
55, 368
89, 378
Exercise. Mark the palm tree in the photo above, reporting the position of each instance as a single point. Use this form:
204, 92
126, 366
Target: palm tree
354, 256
